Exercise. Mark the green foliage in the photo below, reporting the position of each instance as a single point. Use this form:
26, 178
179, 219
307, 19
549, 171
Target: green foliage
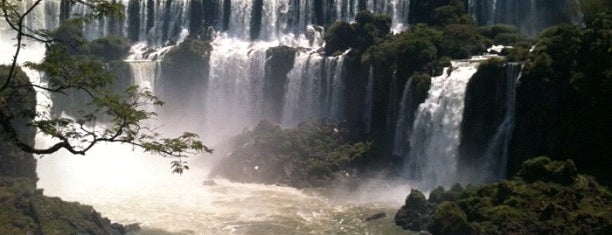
450, 219
501, 34
461, 41
24, 210
539, 200
564, 92
69, 37
591, 8
72, 63
453, 13
542, 168
315, 153
110, 48
367, 30
416, 200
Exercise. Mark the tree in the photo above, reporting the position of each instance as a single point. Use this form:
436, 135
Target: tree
67, 70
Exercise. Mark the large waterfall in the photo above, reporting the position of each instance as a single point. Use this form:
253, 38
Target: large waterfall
232, 95
434, 138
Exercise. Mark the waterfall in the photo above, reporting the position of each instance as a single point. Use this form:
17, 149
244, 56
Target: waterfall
368, 103
435, 134
314, 90
405, 118
529, 16
234, 97
145, 75
496, 156
156, 22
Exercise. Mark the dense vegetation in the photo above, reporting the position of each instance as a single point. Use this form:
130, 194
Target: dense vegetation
545, 197
415, 55
24, 210
563, 99
309, 155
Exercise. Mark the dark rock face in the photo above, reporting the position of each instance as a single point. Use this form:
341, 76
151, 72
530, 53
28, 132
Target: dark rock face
22, 103
545, 197
279, 61
24, 210
485, 110
563, 100
183, 67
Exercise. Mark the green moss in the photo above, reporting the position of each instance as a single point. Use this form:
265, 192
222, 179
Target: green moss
416, 200
312, 154
450, 219
24, 210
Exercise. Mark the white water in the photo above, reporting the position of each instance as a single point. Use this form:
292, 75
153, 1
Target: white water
368, 103
129, 187
314, 90
403, 129
435, 134
132, 187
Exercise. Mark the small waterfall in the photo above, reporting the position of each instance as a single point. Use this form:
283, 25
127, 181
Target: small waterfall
529, 16
334, 102
145, 75
398, 10
405, 119
315, 89
234, 97
369, 101
435, 136
496, 155
303, 89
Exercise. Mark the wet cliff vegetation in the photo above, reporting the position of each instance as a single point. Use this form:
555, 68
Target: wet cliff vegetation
311, 155
563, 99
24, 210
544, 197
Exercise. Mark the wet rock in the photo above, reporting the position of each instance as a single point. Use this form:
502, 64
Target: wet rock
376, 216
415, 215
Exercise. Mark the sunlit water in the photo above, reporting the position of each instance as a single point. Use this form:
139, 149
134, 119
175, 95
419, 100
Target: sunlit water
129, 187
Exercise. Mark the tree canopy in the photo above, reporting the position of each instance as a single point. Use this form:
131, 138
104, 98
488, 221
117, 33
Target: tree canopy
73, 64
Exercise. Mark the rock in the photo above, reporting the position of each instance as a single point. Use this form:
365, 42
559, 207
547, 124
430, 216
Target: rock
26, 211
376, 216
542, 168
132, 228
415, 214
545, 197
209, 183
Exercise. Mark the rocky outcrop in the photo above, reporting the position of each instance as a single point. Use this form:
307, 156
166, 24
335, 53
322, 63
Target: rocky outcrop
306, 156
24, 210
184, 66
21, 103
545, 197
279, 61
563, 99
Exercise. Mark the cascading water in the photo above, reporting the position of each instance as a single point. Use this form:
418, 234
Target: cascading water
368, 103
403, 129
530, 16
434, 140
234, 97
154, 21
315, 89
493, 165
131, 187
118, 182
